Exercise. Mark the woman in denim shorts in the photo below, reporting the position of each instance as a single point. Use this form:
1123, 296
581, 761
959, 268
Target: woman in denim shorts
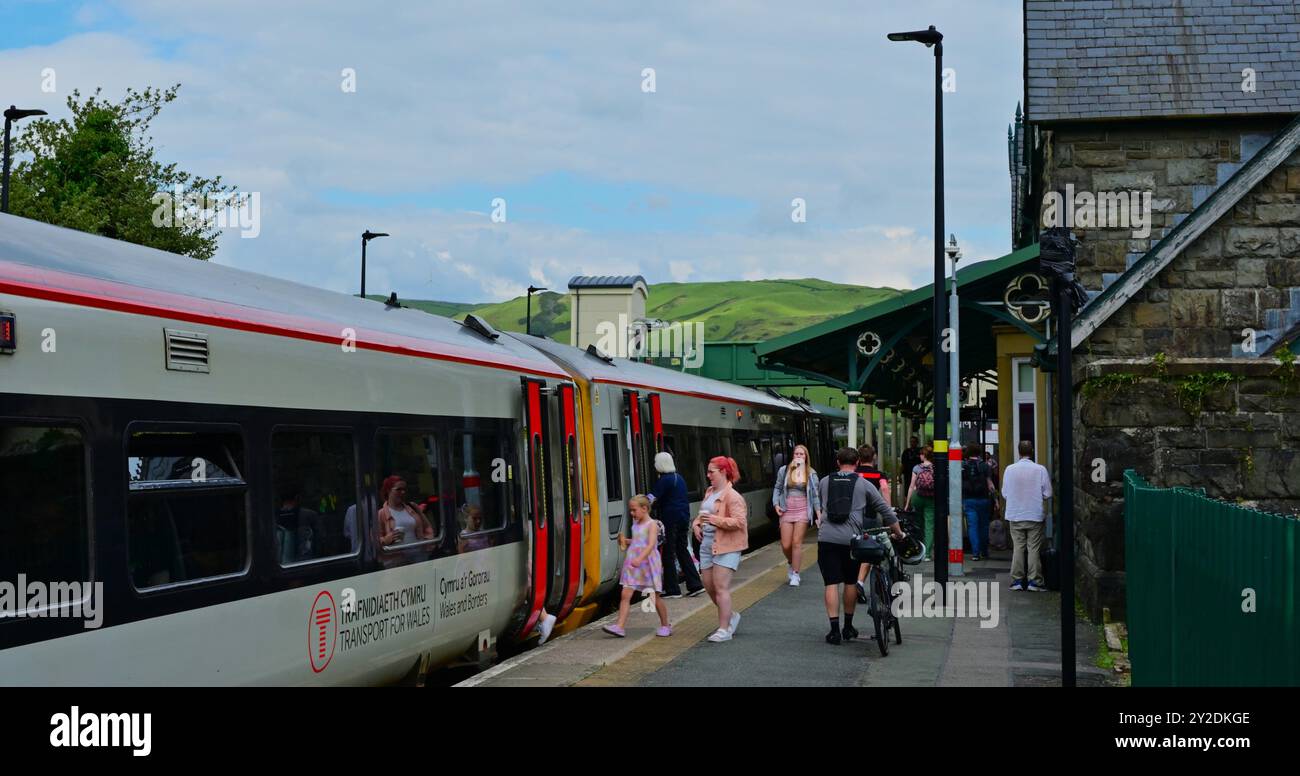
723, 533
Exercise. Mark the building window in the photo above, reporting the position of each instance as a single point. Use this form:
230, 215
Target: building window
187, 506
43, 504
1024, 404
314, 482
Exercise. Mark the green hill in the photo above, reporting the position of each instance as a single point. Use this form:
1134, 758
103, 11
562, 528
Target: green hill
730, 310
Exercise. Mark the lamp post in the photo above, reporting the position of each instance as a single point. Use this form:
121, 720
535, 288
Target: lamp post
528, 325
932, 38
366, 237
12, 114
955, 510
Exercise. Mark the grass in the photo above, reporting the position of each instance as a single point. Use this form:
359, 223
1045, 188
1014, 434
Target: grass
730, 310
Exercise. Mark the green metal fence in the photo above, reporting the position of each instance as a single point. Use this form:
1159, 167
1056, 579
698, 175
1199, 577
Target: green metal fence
1192, 563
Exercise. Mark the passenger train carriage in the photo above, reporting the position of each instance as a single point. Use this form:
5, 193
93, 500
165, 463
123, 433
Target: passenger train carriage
207, 446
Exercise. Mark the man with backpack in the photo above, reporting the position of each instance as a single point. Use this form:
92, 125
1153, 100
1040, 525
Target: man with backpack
976, 490
849, 506
868, 471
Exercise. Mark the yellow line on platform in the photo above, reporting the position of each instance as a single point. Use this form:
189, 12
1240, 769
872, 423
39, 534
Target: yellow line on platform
656, 653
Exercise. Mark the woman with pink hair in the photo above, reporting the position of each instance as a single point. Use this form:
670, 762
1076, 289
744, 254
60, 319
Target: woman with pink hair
723, 532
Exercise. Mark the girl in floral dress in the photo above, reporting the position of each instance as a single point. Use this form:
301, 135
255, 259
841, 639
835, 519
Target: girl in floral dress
642, 568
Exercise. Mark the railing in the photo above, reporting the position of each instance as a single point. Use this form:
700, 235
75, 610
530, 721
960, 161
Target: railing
1212, 590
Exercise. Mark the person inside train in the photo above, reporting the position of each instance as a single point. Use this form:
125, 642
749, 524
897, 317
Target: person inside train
472, 536
400, 522
299, 532
722, 530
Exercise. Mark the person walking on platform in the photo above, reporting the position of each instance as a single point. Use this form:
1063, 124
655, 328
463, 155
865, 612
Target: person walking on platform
1025, 485
921, 491
669, 495
848, 499
722, 529
641, 569
797, 499
911, 458
976, 491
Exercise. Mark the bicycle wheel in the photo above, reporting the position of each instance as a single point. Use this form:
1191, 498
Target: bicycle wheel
880, 608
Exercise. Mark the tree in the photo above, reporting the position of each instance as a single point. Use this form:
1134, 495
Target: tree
96, 172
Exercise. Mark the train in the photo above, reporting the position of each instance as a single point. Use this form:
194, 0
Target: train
194, 458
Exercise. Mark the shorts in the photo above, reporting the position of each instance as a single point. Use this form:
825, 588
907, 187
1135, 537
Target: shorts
727, 560
837, 564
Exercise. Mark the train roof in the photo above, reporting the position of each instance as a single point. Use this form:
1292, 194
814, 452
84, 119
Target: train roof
623, 371
51, 262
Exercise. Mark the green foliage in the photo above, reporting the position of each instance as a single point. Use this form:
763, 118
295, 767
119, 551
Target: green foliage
1286, 370
1108, 385
1160, 360
96, 172
1192, 389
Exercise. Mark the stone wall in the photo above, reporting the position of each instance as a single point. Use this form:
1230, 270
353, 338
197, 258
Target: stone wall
1244, 272
1240, 442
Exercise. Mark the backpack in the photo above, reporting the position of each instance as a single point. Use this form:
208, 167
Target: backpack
974, 479
925, 481
839, 496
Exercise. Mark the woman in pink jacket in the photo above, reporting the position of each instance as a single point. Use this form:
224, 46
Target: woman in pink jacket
723, 532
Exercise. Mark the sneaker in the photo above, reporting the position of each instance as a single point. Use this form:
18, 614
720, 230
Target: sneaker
794, 580
545, 627
833, 637
720, 635
1037, 588
664, 630
671, 595
849, 632
614, 630
1017, 585
789, 573
976, 557
735, 621
695, 592
863, 598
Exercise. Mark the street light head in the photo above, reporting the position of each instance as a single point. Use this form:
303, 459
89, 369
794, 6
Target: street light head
928, 37
369, 235
535, 289
13, 114
954, 253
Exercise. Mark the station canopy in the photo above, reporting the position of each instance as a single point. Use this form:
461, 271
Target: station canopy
886, 351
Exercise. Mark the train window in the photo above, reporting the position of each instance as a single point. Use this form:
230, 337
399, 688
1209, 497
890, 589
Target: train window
187, 506
686, 456
314, 477
410, 475
43, 504
613, 476
747, 459
765, 451
478, 463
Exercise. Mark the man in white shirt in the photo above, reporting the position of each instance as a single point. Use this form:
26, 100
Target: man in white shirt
1025, 485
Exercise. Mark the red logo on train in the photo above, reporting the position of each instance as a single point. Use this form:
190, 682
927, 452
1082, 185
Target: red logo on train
322, 631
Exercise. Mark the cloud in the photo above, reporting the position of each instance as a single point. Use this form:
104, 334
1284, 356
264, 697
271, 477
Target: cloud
755, 105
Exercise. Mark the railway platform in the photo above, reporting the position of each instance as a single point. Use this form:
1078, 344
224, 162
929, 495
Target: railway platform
780, 641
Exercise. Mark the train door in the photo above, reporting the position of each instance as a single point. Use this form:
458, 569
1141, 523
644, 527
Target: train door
656, 424
611, 471
566, 579
635, 436
538, 530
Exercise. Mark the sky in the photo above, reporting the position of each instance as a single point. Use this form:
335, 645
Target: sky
502, 144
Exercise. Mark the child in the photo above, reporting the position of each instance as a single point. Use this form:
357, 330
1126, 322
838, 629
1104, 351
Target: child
642, 569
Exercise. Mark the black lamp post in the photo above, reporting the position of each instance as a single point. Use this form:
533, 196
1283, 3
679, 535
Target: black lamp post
933, 38
366, 237
12, 114
528, 325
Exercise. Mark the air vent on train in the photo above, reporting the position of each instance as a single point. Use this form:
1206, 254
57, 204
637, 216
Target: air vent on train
187, 351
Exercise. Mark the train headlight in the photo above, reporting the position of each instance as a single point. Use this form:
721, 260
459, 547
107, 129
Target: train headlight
8, 332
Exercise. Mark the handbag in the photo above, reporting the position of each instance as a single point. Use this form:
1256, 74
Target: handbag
867, 549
